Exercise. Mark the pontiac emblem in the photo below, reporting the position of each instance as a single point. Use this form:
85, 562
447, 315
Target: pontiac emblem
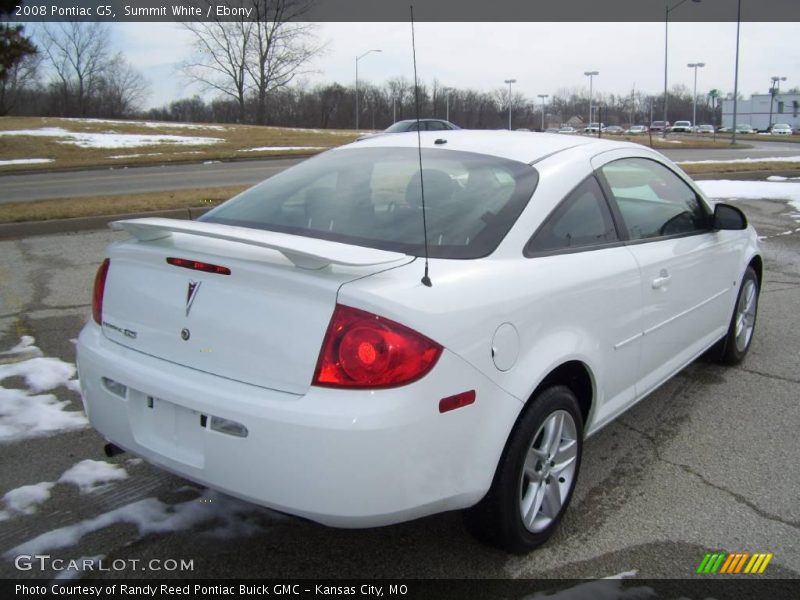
191, 294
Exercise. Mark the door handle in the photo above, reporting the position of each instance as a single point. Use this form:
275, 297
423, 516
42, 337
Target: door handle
662, 280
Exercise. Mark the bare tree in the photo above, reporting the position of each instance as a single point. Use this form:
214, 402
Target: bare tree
121, 90
281, 48
19, 58
79, 53
222, 49
261, 53
17, 78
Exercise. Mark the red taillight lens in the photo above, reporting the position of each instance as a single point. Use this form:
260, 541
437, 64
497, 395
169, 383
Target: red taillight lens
99, 290
362, 350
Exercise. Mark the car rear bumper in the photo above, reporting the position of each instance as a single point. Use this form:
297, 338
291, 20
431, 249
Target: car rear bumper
342, 458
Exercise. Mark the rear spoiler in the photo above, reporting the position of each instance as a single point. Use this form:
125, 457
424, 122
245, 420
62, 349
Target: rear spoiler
303, 252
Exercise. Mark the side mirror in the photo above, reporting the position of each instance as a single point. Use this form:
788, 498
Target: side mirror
728, 217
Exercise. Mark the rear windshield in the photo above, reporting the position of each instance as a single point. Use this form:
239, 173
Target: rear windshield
371, 197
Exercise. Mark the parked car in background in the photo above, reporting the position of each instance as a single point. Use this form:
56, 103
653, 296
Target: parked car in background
614, 130
637, 129
681, 127
704, 129
411, 125
744, 128
781, 129
522, 129
286, 348
658, 125
593, 128
567, 129
551, 130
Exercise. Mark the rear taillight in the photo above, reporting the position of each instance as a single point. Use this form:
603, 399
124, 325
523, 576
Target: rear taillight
99, 290
362, 350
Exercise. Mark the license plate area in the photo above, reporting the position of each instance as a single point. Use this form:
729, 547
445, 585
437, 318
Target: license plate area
169, 429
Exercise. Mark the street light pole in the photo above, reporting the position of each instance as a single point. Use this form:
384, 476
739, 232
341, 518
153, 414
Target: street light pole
668, 9
773, 91
694, 97
509, 82
736, 71
358, 58
591, 75
544, 98
447, 104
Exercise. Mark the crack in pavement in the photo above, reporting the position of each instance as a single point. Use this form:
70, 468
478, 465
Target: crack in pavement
783, 289
768, 375
687, 469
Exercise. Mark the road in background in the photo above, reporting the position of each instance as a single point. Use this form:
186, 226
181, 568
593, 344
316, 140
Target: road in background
707, 462
134, 180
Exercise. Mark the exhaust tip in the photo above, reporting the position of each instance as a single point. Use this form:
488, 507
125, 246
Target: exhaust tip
112, 450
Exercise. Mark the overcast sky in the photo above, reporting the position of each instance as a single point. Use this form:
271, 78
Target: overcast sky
542, 57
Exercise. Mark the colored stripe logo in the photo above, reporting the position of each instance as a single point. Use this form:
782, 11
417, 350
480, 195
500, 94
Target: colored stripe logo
734, 563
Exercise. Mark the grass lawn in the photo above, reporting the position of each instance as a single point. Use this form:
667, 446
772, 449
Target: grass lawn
232, 141
66, 208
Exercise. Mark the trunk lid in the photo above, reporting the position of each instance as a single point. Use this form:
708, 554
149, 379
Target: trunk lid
262, 324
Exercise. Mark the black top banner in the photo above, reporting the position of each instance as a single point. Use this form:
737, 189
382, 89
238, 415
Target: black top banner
398, 10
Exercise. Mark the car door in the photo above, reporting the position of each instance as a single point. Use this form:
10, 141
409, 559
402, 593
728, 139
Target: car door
688, 271
593, 292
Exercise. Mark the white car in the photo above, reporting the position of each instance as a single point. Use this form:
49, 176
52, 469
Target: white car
637, 130
295, 349
682, 127
593, 128
781, 129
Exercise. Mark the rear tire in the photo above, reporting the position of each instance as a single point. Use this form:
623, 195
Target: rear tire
536, 475
732, 349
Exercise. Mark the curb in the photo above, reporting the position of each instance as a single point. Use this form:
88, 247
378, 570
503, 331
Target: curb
9, 231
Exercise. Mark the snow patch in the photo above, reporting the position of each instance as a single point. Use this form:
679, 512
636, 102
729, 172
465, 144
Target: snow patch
281, 148
741, 160
112, 140
89, 475
136, 155
27, 413
781, 178
26, 344
40, 373
228, 517
152, 124
26, 499
26, 161
750, 190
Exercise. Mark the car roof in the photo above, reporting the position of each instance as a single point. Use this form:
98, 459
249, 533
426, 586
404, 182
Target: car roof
521, 146
420, 120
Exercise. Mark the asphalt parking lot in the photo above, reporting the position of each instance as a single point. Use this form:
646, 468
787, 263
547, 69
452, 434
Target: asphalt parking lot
707, 462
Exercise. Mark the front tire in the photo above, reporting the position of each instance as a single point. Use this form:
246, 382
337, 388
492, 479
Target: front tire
732, 349
536, 476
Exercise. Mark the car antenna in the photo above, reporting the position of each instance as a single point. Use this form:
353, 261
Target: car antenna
426, 281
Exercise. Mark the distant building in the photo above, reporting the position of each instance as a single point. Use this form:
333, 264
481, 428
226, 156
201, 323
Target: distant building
755, 111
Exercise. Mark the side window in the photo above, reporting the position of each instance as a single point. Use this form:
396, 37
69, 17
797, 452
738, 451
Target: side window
654, 201
581, 220
434, 126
